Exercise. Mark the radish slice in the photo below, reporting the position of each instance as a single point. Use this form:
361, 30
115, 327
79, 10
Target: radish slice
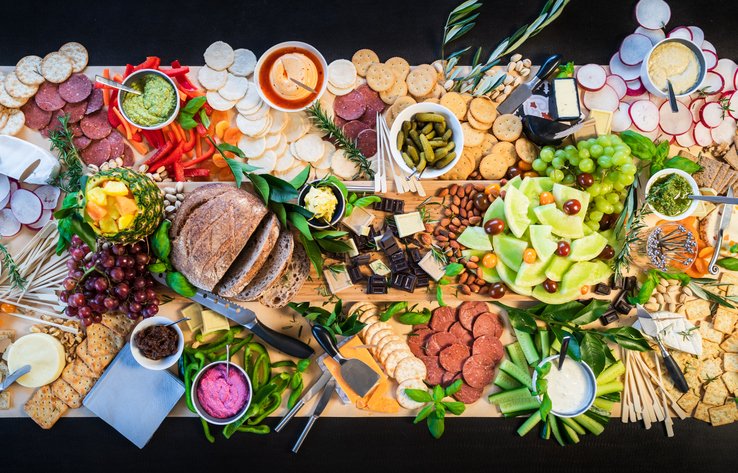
645, 115
9, 224
711, 115
635, 87
652, 14
680, 32
724, 133
685, 140
26, 206
4, 202
708, 46
698, 36
713, 83
702, 135
618, 85
735, 80
711, 59
654, 35
49, 196
726, 68
591, 76
41, 222
604, 99
733, 105
634, 48
626, 72
621, 119
13, 185
654, 135
675, 123
4, 187
695, 107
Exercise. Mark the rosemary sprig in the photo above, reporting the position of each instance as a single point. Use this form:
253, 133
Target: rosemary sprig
16, 280
325, 123
725, 106
68, 179
631, 226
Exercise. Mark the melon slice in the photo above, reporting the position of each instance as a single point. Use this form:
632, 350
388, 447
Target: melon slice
563, 193
584, 273
557, 297
508, 276
542, 241
587, 248
567, 226
516, 211
509, 250
514, 182
475, 238
531, 274
558, 266
490, 275
495, 210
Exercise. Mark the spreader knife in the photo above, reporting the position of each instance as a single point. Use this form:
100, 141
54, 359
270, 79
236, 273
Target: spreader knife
523, 91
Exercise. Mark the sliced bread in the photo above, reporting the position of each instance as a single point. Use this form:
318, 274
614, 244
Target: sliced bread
194, 200
290, 282
251, 259
273, 268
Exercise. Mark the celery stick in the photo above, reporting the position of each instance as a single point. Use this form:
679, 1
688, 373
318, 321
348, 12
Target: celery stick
612, 387
504, 396
518, 406
515, 352
518, 373
611, 373
505, 382
531, 422
568, 421
529, 348
590, 424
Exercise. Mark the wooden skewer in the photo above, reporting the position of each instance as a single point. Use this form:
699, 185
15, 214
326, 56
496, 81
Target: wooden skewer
624, 405
674, 406
639, 411
63, 328
668, 422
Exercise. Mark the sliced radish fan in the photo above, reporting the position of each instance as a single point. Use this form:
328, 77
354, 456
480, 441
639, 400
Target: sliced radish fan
626, 72
9, 224
711, 115
675, 123
4, 187
680, 32
711, 59
685, 140
695, 107
654, 35
26, 206
618, 85
733, 105
49, 196
45, 217
713, 83
708, 46
724, 132
635, 88
652, 14
634, 48
698, 36
591, 76
702, 135
645, 115
604, 99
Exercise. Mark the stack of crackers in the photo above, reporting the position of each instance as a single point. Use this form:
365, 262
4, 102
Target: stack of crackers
94, 354
6, 338
715, 174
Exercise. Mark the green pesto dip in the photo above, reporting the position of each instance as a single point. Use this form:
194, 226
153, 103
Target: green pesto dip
668, 195
155, 105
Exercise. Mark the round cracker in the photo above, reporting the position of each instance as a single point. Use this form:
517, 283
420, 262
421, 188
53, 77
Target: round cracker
400, 67
506, 151
219, 55
218, 102
18, 89
338, 91
398, 89
410, 368
403, 399
394, 358
508, 127
235, 87
211, 79
374, 330
526, 149
488, 142
390, 348
467, 97
342, 166
474, 153
420, 82
342, 73
456, 103
56, 67
432, 100
28, 70
476, 124
493, 166
472, 137
7, 100
401, 104
483, 109
77, 54
244, 62
380, 77
461, 170
362, 59
14, 124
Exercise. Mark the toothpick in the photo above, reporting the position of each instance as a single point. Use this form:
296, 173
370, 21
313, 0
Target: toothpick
63, 328
668, 422
659, 382
626, 391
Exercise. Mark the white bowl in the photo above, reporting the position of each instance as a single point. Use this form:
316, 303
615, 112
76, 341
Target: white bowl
695, 190
164, 363
451, 121
292, 44
196, 401
132, 78
646, 78
591, 378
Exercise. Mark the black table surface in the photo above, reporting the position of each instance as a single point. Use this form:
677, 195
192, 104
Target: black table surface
116, 32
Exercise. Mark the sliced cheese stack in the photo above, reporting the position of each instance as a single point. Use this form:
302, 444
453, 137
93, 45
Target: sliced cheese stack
392, 353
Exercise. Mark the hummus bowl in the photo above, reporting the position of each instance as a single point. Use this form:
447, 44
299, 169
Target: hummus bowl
165, 362
207, 399
138, 76
684, 81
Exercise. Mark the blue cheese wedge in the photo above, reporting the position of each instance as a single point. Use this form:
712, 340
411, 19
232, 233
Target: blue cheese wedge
359, 221
432, 266
379, 268
194, 312
409, 224
564, 101
337, 280
603, 121
212, 322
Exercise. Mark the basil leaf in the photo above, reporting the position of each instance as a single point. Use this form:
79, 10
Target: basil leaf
419, 395
260, 184
157, 267
349, 209
728, 263
193, 105
454, 269
280, 191
455, 407
438, 393
302, 365
414, 318
439, 296
545, 408
453, 388
186, 121
352, 198
300, 223
593, 352
366, 201
435, 425
391, 310
331, 234
423, 414
180, 284
640, 146
662, 151
334, 246
204, 118
544, 369
160, 243
590, 312
301, 178
684, 164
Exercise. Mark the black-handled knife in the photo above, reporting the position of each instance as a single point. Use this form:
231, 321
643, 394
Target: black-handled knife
650, 328
523, 91
247, 318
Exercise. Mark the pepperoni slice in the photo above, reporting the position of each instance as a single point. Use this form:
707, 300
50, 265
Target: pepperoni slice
370, 118
417, 341
353, 128
96, 101
468, 394
468, 311
464, 336
75, 111
476, 372
453, 357
367, 143
449, 378
36, 117
371, 99
488, 348
75, 89
443, 318
116, 144
96, 125
438, 341
350, 106
434, 369
128, 159
96, 153
47, 97
54, 123
81, 142
487, 324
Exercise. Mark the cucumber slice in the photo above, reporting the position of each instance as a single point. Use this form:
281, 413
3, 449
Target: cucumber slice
519, 406
611, 373
531, 422
529, 348
507, 396
601, 416
590, 424
517, 372
545, 344
515, 352
611, 387
603, 404
505, 381
572, 424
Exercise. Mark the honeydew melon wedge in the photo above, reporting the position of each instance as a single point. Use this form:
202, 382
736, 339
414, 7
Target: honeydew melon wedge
469, 253
531, 274
490, 275
514, 182
533, 187
508, 276
567, 226
542, 241
475, 238
587, 248
557, 267
509, 250
563, 193
584, 273
495, 210
516, 211
557, 297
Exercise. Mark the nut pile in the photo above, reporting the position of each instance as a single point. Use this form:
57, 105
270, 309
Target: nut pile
671, 296
173, 197
68, 340
517, 70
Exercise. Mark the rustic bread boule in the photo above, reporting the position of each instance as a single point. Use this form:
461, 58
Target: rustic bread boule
290, 282
274, 267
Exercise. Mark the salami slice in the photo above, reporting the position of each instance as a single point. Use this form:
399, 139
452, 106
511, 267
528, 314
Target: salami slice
367, 143
370, 118
75, 89
96, 101
489, 349
350, 106
476, 372
96, 125
115, 139
76, 129
36, 117
353, 128
96, 153
54, 123
339, 121
371, 99
81, 142
75, 111
48, 98
434, 369
449, 378
438, 341
464, 336
468, 311
128, 158
417, 341
468, 394
487, 324
443, 318
453, 357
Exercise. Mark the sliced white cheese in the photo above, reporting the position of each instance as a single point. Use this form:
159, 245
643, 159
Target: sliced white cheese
194, 312
409, 224
213, 321
432, 266
603, 121
359, 221
566, 98
337, 280
379, 268
676, 331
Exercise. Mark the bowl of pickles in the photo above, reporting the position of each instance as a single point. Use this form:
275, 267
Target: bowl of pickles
426, 140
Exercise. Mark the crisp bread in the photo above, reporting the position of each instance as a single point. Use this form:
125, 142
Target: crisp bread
4, 401
66, 393
81, 384
45, 408
725, 414
119, 324
102, 346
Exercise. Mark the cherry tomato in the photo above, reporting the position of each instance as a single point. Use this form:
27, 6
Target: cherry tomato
497, 290
546, 198
493, 189
529, 255
489, 260
607, 252
572, 206
494, 226
563, 248
550, 286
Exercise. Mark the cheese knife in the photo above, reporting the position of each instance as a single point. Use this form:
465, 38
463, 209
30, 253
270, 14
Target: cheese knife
319, 408
357, 374
523, 91
649, 327
13, 377
306, 397
247, 318
724, 224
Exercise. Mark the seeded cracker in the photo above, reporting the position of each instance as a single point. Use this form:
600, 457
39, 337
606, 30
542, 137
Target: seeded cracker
7, 100
362, 59
420, 82
398, 89
28, 70
400, 67
527, 151
715, 393
723, 415
18, 89
45, 408
508, 127
456, 103
56, 67
483, 109
477, 125
380, 77
16, 120
77, 54
219, 56
66, 393
702, 412
472, 137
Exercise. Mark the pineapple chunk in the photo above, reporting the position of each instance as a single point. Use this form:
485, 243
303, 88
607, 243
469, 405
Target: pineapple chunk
97, 196
95, 211
126, 205
115, 188
113, 210
107, 225
125, 221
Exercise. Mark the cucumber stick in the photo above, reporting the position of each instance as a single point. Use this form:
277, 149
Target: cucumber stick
517, 372
505, 396
528, 347
611, 373
506, 382
529, 423
519, 406
590, 424
516, 355
570, 433
609, 388
572, 424
604, 404
546, 429
545, 344
555, 429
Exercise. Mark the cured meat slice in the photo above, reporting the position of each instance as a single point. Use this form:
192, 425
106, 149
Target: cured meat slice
366, 141
487, 324
96, 153
370, 118
96, 125
54, 123
128, 158
434, 369
350, 106
116, 144
468, 394
417, 341
76, 129
476, 372
468, 311
96, 101
36, 117
438, 341
75, 89
453, 357
489, 349
48, 98
81, 142
371, 99
442, 319
353, 128
464, 335
449, 378
75, 111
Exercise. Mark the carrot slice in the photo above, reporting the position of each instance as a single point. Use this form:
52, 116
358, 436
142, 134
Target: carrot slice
706, 252
125, 123
139, 147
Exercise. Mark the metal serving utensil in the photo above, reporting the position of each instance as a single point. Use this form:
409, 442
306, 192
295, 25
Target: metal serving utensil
13, 377
116, 85
724, 224
319, 408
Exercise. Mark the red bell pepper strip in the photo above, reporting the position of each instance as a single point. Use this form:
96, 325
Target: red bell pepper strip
160, 153
154, 138
113, 118
206, 155
180, 71
183, 80
129, 70
174, 157
201, 130
197, 172
151, 62
137, 137
179, 175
